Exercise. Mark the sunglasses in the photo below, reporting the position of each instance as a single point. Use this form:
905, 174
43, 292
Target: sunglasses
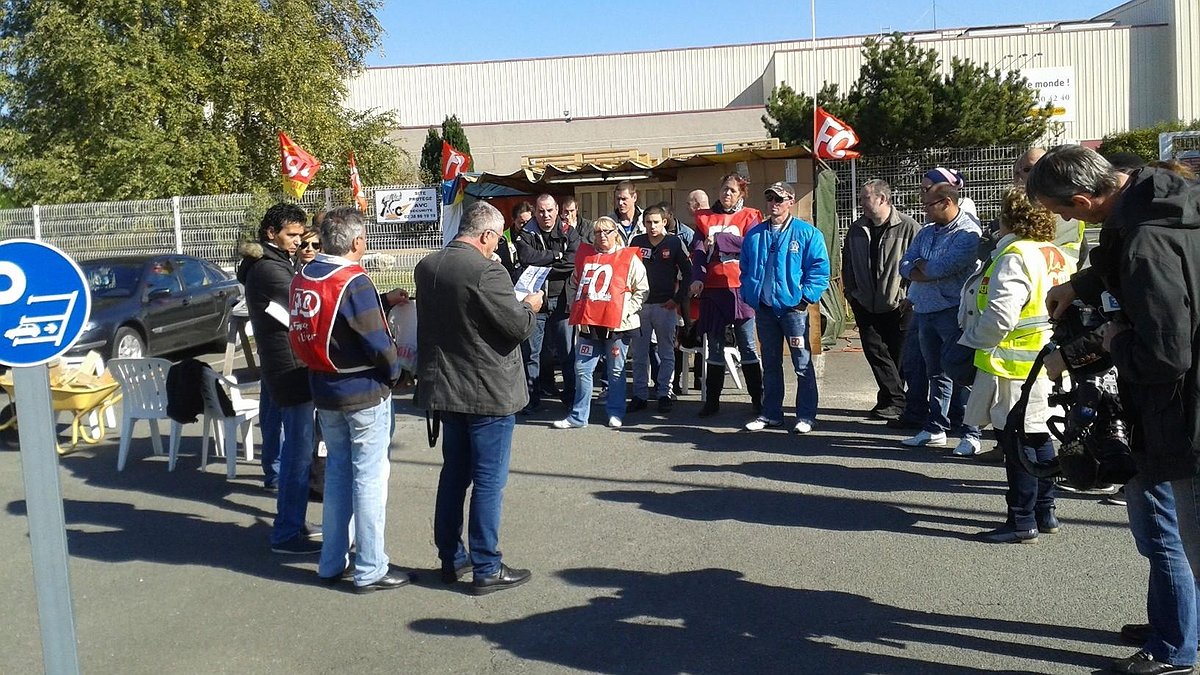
314, 245
772, 197
605, 232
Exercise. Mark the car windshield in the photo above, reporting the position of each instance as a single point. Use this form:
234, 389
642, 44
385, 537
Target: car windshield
113, 280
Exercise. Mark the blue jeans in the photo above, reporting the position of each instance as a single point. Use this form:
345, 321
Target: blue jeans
552, 331
295, 460
743, 330
1029, 498
356, 483
772, 331
916, 382
475, 454
937, 332
660, 322
1171, 595
270, 425
587, 353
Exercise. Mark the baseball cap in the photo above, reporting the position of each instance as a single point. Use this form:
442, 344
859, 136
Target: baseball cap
782, 189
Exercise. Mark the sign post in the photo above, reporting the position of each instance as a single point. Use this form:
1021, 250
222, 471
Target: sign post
44, 304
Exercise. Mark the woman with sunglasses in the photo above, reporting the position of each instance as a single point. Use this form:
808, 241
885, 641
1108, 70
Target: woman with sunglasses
608, 285
716, 250
310, 246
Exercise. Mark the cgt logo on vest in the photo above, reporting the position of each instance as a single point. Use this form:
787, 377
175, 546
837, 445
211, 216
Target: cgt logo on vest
596, 278
305, 303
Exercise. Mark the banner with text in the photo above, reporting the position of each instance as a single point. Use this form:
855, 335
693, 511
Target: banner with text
1056, 87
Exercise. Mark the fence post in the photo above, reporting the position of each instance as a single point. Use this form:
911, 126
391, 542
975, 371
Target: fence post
37, 222
328, 198
177, 212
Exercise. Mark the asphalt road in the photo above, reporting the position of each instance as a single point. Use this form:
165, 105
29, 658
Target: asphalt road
669, 546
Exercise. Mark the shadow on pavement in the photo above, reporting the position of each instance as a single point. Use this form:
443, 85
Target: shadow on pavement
714, 621
860, 479
768, 507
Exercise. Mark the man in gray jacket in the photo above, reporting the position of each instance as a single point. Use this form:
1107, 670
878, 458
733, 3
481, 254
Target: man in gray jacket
875, 244
470, 327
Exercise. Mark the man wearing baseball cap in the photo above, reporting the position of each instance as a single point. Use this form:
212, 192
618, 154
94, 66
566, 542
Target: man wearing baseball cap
785, 268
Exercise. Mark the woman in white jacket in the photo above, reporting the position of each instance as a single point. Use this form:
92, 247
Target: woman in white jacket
1004, 319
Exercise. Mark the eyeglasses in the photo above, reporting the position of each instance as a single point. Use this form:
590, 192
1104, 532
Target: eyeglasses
934, 203
605, 232
314, 245
772, 197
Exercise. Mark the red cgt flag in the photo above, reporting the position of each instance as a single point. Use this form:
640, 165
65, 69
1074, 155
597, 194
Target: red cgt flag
296, 166
834, 138
453, 162
356, 188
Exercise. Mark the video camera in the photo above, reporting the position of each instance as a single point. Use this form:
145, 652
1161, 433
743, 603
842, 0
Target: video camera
1093, 446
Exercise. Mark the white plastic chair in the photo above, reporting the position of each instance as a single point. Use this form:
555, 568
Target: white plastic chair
143, 397
733, 366
224, 427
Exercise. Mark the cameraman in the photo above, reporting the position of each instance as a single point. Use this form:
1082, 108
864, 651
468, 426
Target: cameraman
1149, 261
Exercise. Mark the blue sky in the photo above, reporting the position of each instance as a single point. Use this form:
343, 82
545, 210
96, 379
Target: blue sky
504, 29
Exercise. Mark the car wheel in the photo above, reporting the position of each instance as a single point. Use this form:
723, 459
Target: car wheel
128, 344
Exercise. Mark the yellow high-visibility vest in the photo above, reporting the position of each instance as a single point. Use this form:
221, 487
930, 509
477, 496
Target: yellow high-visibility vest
1047, 266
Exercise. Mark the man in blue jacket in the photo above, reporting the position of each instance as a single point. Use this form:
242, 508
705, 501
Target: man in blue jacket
785, 268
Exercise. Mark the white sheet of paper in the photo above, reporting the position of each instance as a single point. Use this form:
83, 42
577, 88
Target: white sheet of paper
530, 281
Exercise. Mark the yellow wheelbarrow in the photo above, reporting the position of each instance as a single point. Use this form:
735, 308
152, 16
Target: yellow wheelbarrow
78, 392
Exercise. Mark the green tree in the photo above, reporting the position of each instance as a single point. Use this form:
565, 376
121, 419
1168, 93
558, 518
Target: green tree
1143, 142
134, 99
431, 152
902, 102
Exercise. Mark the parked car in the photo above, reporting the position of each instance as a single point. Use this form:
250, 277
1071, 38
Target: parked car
146, 305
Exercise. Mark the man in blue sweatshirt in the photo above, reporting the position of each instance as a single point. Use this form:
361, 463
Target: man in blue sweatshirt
938, 262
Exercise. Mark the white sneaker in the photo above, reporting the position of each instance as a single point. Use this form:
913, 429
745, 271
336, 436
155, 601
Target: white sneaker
927, 439
614, 422
760, 423
967, 447
802, 427
567, 424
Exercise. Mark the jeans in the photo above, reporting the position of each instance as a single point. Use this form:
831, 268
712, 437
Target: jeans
916, 381
270, 425
772, 331
1171, 595
295, 460
552, 326
937, 332
475, 454
587, 353
743, 330
356, 484
660, 322
1029, 498
882, 336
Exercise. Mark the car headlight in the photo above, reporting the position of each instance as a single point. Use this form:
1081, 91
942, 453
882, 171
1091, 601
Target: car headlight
90, 326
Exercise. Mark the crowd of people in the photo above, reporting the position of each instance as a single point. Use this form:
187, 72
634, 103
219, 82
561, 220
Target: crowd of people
955, 318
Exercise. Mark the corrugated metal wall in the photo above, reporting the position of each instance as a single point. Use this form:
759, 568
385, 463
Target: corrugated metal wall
1103, 60
1140, 12
1187, 58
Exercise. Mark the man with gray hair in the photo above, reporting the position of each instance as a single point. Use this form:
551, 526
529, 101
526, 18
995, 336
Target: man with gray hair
1148, 260
339, 331
871, 254
470, 377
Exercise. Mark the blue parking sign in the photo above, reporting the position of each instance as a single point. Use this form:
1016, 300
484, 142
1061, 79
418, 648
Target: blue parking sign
44, 302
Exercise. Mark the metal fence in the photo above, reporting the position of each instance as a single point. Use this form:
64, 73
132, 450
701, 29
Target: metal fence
210, 227
986, 172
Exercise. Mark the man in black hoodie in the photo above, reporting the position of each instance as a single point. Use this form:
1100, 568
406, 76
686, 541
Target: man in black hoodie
1149, 261
286, 403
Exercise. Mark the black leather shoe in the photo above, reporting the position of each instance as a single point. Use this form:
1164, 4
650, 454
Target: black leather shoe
887, 412
1143, 663
1135, 634
393, 579
635, 404
347, 573
507, 577
451, 575
993, 456
1047, 523
902, 423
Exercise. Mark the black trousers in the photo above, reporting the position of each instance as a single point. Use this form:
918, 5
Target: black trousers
882, 338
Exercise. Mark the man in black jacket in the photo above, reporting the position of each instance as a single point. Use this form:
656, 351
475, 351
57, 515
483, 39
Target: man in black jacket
286, 403
546, 245
470, 329
1149, 260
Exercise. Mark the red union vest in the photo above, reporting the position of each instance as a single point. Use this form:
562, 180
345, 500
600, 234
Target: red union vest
313, 308
725, 273
603, 278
